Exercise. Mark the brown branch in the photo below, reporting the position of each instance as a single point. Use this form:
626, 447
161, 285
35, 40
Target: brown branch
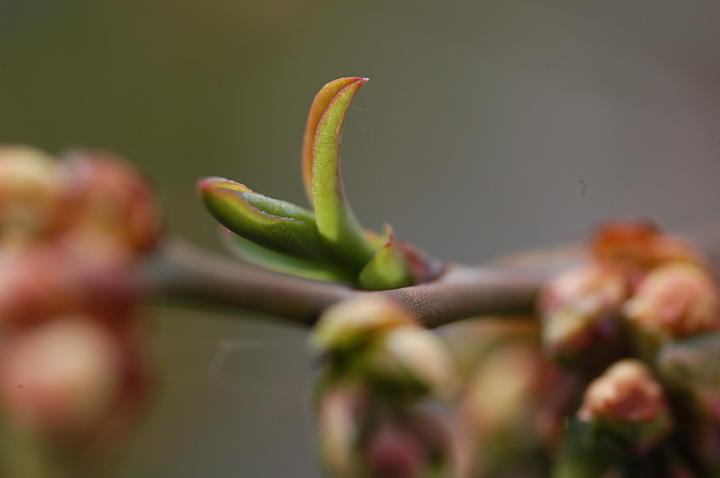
179, 271
464, 292
182, 272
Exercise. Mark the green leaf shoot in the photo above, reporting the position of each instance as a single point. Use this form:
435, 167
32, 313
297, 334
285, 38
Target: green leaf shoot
335, 220
320, 104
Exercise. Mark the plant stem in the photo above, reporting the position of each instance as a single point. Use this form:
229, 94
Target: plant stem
180, 271
186, 273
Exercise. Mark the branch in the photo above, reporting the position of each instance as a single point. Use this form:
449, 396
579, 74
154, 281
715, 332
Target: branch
185, 273
181, 272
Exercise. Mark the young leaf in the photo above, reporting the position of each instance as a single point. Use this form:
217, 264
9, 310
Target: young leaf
320, 104
388, 269
273, 224
335, 221
279, 262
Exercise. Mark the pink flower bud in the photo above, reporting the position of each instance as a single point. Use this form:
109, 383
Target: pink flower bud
629, 404
626, 392
579, 308
41, 282
116, 212
639, 244
36, 284
396, 452
31, 194
60, 379
676, 300
339, 425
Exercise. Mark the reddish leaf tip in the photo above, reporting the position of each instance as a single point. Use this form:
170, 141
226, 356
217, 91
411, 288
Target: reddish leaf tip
352, 79
205, 185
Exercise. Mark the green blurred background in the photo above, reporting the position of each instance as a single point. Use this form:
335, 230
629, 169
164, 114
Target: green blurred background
487, 127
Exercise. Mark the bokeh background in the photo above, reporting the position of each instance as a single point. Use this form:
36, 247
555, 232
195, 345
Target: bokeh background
487, 127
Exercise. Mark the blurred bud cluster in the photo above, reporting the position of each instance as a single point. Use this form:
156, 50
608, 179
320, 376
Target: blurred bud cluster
380, 371
74, 367
637, 329
511, 399
619, 377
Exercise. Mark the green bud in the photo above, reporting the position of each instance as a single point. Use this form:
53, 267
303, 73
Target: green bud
414, 361
579, 309
691, 366
358, 323
389, 268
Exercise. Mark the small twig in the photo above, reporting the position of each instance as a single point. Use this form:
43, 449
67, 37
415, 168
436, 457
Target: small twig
463, 292
179, 271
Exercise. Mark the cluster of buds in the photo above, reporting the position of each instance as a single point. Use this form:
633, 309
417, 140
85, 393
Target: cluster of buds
74, 369
379, 370
644, 314
506, 410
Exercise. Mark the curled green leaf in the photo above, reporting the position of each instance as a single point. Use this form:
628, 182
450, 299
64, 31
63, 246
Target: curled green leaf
335, 220
319, 105
273, 224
